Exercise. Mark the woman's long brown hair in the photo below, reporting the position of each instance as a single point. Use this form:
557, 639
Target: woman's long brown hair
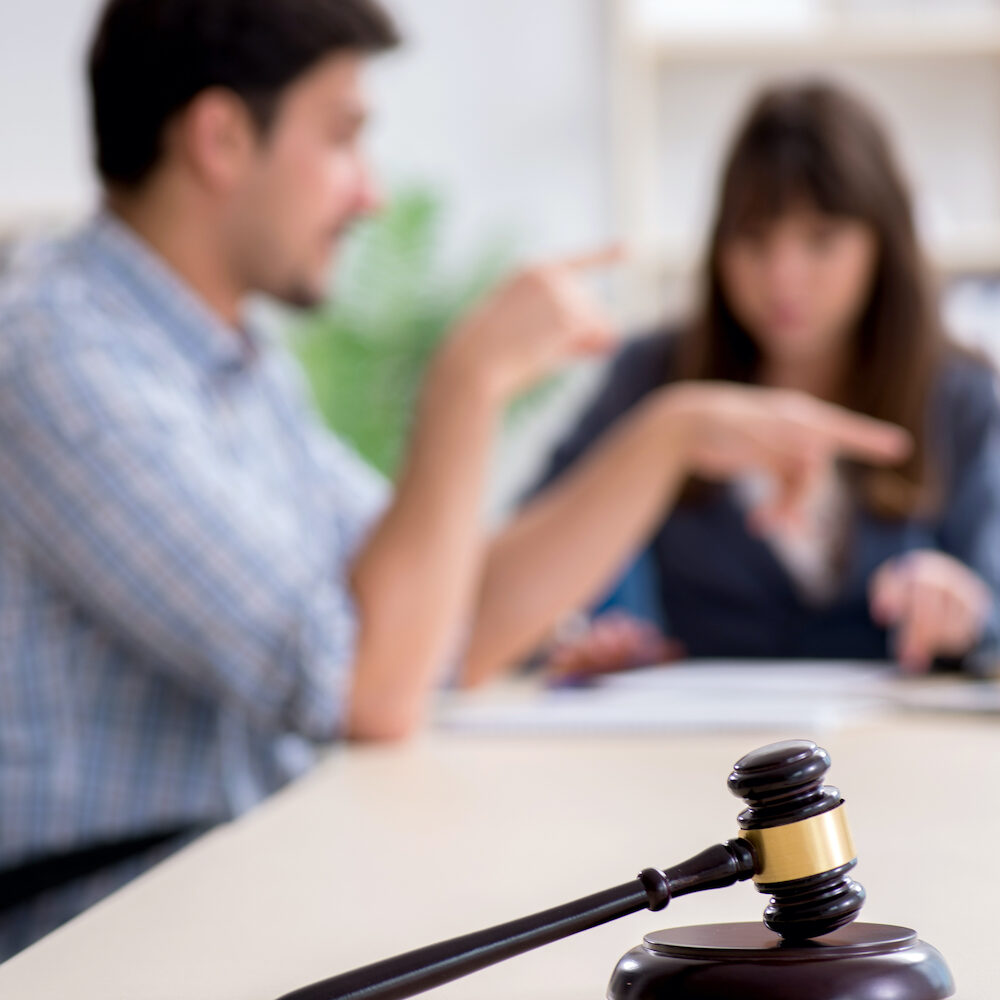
813, 144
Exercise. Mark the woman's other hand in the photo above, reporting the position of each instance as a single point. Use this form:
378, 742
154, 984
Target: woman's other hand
613, 641
936, 604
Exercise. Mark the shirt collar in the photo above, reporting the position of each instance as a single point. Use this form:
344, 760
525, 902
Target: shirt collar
198, 332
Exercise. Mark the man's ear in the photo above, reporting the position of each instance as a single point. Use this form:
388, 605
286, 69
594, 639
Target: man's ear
215, 138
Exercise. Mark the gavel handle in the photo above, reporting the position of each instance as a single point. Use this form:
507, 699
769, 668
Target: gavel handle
423, 969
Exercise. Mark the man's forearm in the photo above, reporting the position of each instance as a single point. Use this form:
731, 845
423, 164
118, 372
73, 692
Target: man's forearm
413, 579
569, 542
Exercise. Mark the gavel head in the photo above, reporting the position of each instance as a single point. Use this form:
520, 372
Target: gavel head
798, 832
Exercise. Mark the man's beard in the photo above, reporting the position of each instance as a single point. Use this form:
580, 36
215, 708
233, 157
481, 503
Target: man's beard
301, 296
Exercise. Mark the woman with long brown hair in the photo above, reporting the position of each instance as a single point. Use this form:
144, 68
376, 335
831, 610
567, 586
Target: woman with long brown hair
814, 282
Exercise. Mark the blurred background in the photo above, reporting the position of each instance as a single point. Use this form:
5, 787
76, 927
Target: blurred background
508, 130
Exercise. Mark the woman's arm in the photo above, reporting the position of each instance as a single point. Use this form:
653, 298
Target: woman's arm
566, 544
413, 579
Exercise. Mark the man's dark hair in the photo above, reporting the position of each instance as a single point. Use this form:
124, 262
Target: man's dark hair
150, 58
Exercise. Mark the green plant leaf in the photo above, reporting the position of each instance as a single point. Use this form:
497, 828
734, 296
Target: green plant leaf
365, 351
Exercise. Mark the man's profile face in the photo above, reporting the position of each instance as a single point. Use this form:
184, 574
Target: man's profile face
307, 182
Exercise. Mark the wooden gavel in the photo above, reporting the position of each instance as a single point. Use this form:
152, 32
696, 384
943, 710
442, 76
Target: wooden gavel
793, 842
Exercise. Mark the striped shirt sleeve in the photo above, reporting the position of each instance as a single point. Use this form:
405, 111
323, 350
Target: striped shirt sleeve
127, 501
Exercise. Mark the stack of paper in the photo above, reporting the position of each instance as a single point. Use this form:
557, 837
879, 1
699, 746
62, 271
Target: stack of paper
702, 695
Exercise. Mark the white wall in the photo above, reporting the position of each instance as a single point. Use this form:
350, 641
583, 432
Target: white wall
943, 115
500, 103
44, 165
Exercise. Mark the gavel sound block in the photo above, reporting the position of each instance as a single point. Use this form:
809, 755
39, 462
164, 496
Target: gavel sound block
807, 946
748, 962
794, 843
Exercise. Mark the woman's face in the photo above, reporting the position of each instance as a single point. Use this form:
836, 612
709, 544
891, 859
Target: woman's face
799, 283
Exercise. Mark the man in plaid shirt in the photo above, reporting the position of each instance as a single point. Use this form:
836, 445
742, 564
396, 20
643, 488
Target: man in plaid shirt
198, 584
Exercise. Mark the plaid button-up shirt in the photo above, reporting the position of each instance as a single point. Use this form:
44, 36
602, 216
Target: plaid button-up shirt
176, 529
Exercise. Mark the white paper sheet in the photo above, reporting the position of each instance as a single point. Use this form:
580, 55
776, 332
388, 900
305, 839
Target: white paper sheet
707, 695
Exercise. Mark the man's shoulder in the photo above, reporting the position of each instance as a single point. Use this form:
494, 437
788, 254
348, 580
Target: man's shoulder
47, 298
74, 352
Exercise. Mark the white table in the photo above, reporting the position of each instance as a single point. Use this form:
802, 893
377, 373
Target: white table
384, 849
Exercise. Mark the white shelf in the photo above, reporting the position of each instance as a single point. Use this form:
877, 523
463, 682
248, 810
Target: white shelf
25, 220
978, 254
975, 254
921, 36
650, 39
